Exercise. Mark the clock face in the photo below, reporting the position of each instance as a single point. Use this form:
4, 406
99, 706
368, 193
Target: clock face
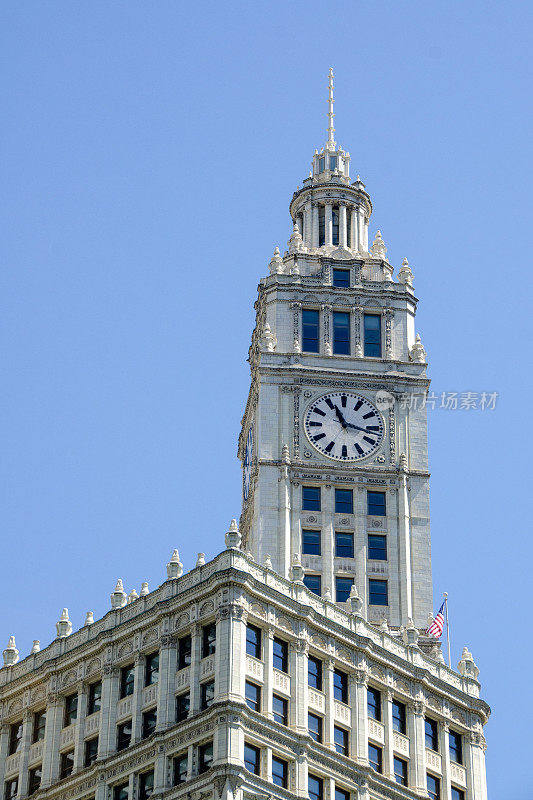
247, 465
344, 426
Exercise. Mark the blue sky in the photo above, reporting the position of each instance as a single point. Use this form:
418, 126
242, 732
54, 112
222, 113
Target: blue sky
149, 152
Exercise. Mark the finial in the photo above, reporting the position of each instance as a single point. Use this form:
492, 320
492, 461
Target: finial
35, 647
417, 353
327, 594
356, 604
11, 654
64, 625
89, 618
233, 537
133, 596
285, 455
405, 274
297, 571
378, 248
268, 561
174, 566
144, 589
200, 561
331, 130
118, 597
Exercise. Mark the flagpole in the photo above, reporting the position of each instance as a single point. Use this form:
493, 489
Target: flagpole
448, 629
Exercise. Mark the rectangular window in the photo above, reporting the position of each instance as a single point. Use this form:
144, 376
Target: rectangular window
127, 680
333, 162
66, 764
340, 686
432, 734
309, 331
311, 543
252, 693
375, 504
207, 694
311, 498
314, 673
184, 652
321, 225
377, 547
335, 225
205, 757
375, 757
315, 787
94, 703
373, 703
341, 333
252, 758
124, 735
209, 639
11, 789
321, 164
340, 736
280, 655
457, 794
71, 710
399, 717
183, 704
372, 334
39, 726
34, 779
280, 772
343, 587
456, 747
400, 771
151, 674
313, 583
121, 792
341, 794
343, 501
91, 752
343, 544
149, 721
280, 709
341, 277
314, 725
378, 593
433, 785
180, 769
253, 641
146, 785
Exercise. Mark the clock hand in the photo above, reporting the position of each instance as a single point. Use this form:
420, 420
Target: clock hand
340, 417
357, 428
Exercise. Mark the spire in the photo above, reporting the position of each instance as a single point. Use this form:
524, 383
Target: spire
331, 130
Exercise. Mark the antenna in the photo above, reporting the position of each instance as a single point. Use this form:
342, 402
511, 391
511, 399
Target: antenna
331, 130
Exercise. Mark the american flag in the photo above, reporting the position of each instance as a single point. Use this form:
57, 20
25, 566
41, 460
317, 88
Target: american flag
435, 629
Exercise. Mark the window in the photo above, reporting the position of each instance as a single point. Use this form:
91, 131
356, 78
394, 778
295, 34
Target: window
334, 223
94, 703
378, 593
71, 709
205, 757
252, 757
373, 703
433, 785
253, 641
341, 794
372, 325
375, 504
280, 655
280, 709
343, 501
121, 792
456, 747
333, 162
398, 717
183, 704
314, 673
313, 583
151, 674
39, 726
311, 498
180, 768
207, 694
400, 771
184, 652
280, 772
457, 794
341, 277
91, 752
311, 543
309, 331
343, 588
149, 721
432, 734
209, 639
34, 779
66, 764
127, 680
340, 737
11, 789
375, 757
315, 787
321, 224
341, 333
343, 545
340, 686
321, 164
146, 785
253, 696
377, 547
124, 735
314, 725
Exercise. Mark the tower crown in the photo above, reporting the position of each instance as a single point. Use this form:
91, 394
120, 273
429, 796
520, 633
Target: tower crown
331, 161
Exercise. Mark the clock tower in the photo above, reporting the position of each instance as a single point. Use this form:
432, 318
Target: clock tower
335, 465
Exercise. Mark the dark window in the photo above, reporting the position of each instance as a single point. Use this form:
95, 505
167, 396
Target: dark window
313, 583
91, 752
39, 726
341, 277
343, 588
252, 757
314, 725
433, 785
184, 652
127, 680
124, 735
333, 162
34, 779
343, 501
343, 544
341, 333
121, 792
205, 757
334, 223
375, 504
373, 335
456, 747
252, 694
377, 546
321, 164
146, 785
340, 736
400, 771
315, 787
95, 698
209, 639
280, 655
398, 717
457, 794
373, 701
149, 721
432, 734
253, 641
378, 594
341, 794
314, 673
280, 709
11, 789
321, 220
340, 686
151, 674
311, 498
309, 331
183, 704
311, 543
180, 769
71, 709
375, 757
66, 764
207, 694
280, 772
